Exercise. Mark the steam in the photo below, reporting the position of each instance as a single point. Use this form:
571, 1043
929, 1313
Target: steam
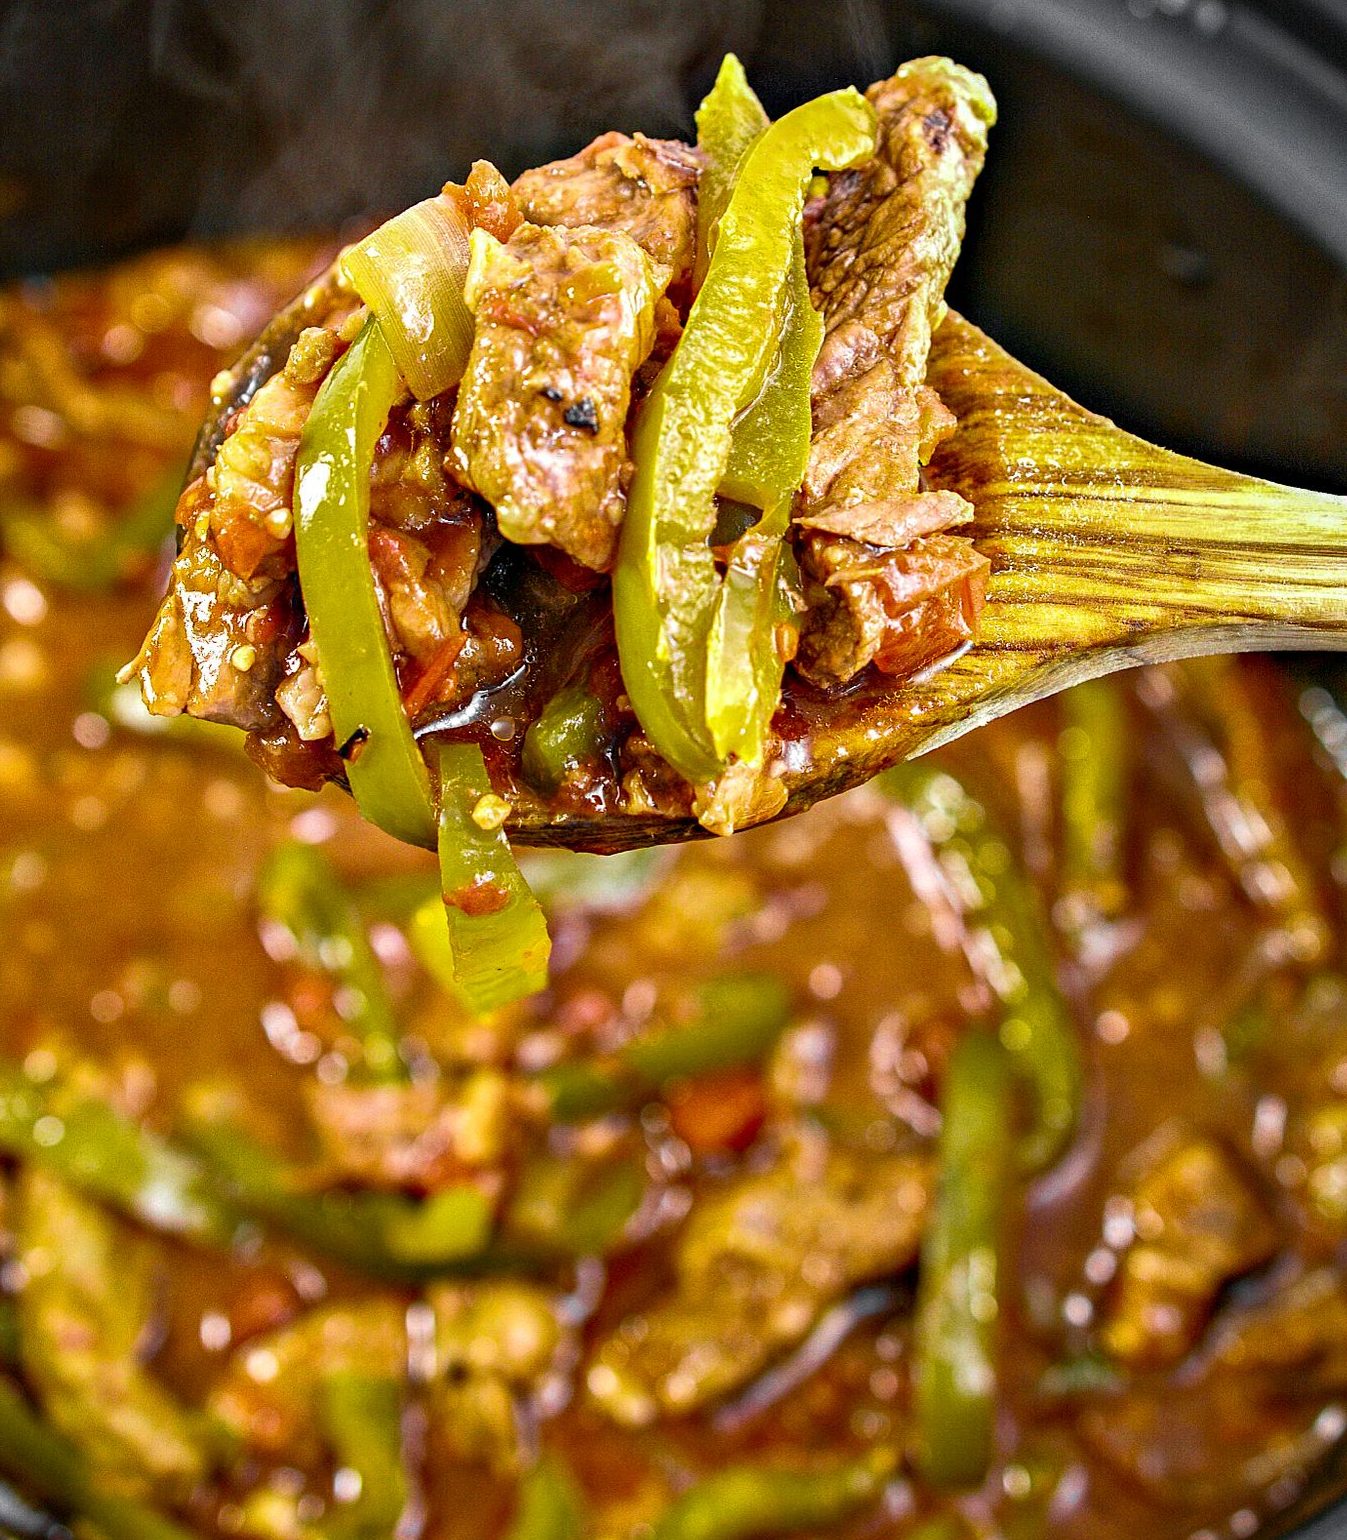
318, 109
129, 122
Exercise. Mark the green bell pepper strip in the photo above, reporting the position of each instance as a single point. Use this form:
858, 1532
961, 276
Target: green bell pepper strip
361, 1418
566, 1207
204, 1192
106, 1156
377, 1233
665, 582
53, 1472
91, 563
1036, 1027
739, 1018
760, 592
730, 121
336, 452
550, 1504
567, 732
957, 1306
1093, 753
497, 932
298, 890
751, 1501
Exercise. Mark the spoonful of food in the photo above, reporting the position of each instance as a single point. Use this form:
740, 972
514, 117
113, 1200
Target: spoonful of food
658, 494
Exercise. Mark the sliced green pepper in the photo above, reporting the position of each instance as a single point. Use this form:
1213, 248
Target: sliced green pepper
85, 1141
332, 474
568, 732
957, 1304
751, 1500
569, 1207
760, 596
1093, 751
298, 889
729, 122
92, 562
378, 1233
361, 1415
739, 1018
55, 1473
1037, 1027
665, 582
497, 932
84, 1311
570, 878
550, 1505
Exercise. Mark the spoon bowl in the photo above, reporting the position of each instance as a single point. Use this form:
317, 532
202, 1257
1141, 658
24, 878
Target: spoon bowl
1106, 552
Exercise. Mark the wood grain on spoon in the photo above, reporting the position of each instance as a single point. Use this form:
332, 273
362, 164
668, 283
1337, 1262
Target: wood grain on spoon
1106, 552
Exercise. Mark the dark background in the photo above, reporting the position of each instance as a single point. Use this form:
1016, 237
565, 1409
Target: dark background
1162, 226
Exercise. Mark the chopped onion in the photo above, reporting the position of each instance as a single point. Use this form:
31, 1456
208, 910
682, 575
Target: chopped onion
410, 273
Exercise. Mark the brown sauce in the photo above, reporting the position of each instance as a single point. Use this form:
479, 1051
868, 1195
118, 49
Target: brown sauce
1210, 1008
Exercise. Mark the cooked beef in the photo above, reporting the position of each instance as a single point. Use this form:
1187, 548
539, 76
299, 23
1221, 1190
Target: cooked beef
901, 610
564, 318
879, 248
1198, 1223
1301, 1330
220, 640
758, 1264
424, 583
645, 187
218, 643
417, 1135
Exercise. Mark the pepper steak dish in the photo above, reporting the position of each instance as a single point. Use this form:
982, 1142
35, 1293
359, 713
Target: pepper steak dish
966, 1158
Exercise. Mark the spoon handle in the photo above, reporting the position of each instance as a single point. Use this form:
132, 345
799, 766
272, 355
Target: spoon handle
1100, 540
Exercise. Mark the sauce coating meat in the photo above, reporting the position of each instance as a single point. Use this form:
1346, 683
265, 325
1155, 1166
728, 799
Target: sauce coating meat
293, 1245
581, 292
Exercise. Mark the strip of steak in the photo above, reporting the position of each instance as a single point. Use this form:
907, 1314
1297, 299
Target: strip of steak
879, 246
229, 642
564, 319
221, 637
644, 187
901, 610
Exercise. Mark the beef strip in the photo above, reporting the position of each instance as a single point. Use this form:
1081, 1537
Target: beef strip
1246, 1415
879, 247
210, 624
84, 1311
421, 1135
219, 643
564, 318
229, 642
644, 187
756, 1267
1198, 1223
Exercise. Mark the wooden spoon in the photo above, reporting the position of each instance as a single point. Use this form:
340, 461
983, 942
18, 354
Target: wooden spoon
1106, 552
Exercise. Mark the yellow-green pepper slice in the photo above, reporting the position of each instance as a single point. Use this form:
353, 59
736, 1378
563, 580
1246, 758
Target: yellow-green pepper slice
336, 452
730, 121
957, 1297
665, 583
498, 942
746, 655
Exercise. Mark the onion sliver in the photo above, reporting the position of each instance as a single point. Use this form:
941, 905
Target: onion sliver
410, 273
